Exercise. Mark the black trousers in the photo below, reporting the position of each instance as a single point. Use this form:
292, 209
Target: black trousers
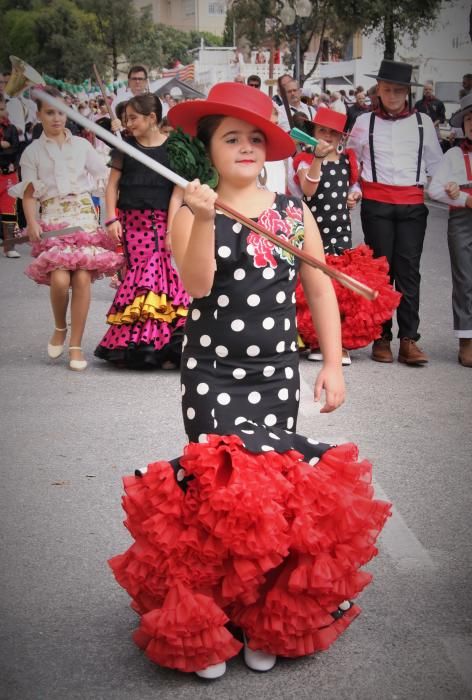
397, 231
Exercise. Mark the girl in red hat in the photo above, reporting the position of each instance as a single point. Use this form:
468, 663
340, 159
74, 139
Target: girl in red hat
249, 525
328, 179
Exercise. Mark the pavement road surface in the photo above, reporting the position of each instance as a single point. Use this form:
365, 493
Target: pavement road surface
68, 438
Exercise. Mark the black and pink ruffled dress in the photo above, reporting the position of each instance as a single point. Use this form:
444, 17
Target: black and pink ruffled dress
148, 312
255, 524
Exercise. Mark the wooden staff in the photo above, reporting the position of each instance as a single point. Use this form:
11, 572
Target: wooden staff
104, 95
124, 146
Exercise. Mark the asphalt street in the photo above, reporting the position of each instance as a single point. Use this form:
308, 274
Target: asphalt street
68, 438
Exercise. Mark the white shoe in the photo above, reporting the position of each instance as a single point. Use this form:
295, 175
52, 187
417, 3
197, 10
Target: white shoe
315, 355
55, 351
346, 360
12, 254
77, 365
212, 672
258, 660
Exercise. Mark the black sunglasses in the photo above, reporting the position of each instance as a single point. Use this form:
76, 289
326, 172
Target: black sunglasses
256, 85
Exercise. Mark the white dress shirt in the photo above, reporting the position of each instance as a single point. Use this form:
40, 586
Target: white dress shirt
450, 169
396, 144
55, 170
302, 107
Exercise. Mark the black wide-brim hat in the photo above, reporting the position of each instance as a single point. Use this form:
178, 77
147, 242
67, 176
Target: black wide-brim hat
395, 72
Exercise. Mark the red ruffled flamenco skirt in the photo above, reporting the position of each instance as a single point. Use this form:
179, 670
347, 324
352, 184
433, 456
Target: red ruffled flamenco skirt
361, 320
264, 541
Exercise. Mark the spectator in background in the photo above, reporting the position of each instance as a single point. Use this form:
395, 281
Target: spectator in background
337, 104
9, 154
138, 84
372, 100
260, 57
294, 95
359, 107
282, 82
430, 105
254, 81
240, 79
466, 84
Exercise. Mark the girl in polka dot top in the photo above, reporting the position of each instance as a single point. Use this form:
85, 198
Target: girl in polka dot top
150, 306
249, 524
328, 179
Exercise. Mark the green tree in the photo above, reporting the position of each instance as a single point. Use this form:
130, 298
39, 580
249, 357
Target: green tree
56, 38
395, 20
118, 26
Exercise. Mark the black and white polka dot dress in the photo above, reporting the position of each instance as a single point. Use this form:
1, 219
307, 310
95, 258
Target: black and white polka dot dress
241, 527
240, 360
329, 206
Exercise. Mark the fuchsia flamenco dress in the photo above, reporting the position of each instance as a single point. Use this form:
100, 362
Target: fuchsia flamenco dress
254, 525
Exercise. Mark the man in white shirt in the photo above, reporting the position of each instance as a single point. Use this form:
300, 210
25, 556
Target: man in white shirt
294, 95
138, 84
397, 148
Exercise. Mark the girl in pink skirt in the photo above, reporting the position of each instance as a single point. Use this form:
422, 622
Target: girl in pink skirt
56, 172
149, 309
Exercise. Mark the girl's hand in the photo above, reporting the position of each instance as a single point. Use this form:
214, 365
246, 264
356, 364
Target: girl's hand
352, 199
33, 232
330, 379
5, 144
201, 200
115, 232
116, 125
452, 189
323, 149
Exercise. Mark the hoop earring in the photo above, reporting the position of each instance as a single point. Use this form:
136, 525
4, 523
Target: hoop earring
263, 176
340, 146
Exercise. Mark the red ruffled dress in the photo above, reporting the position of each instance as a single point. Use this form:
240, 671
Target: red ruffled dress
255, 525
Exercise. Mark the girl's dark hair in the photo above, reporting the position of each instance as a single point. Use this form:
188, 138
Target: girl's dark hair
50, 90
146, 104
207, 126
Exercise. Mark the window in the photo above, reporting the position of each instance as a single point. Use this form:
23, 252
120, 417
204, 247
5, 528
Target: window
216, 8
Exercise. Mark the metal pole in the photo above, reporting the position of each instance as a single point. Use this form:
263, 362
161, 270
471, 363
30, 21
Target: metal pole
297, 50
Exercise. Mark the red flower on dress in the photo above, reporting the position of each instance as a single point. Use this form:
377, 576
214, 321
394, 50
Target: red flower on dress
294, 213
261, 249
271, 220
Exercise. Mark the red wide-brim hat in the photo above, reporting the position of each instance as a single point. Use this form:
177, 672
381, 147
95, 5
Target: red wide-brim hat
330, 119
241, 102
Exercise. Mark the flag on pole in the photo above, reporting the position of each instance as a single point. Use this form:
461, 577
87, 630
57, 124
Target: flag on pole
184, 73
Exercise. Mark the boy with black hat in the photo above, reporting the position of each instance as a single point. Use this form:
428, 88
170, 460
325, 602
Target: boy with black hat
397, 148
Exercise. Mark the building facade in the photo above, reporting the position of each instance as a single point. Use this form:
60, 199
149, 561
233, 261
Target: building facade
188, 15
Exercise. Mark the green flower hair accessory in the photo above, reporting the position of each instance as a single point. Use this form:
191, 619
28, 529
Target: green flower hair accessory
189, 159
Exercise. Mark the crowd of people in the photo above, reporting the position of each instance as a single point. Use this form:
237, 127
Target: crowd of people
242, 528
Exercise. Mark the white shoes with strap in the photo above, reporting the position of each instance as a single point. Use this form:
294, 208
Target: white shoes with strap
55, 351
212, 672
258, 660
77, 365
